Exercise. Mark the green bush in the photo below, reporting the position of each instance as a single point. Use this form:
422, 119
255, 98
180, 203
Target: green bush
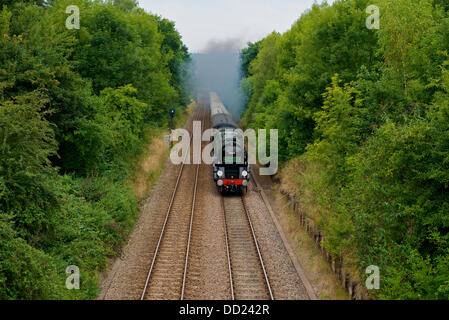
366, 114
25, 272
75, 109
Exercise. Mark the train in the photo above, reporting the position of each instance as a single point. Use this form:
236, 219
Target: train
231, 170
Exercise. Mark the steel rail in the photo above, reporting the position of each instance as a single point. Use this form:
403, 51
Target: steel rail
267, 281
231, 281
191, 223
164, 225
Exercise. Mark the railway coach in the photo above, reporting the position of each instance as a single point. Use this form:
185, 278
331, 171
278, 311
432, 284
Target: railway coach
230, 159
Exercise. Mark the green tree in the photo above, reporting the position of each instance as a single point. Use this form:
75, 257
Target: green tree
76, 107
339, 125
247, 55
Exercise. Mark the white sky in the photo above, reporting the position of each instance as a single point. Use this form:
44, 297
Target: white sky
200, 21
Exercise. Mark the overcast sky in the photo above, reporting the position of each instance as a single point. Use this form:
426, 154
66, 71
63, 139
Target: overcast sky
202, 21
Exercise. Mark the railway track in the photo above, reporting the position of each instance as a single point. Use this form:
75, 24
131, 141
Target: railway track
193, 243
177, 265
166, 277
247, 273
169, 269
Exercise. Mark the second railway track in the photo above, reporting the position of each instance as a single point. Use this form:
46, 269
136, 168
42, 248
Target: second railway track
167, 274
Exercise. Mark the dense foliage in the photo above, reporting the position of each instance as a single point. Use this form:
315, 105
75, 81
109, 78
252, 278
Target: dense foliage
76, 105
365, 112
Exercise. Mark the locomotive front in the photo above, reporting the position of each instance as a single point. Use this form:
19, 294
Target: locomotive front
231, 169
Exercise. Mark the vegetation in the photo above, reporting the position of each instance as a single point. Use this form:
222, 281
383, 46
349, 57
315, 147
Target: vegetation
363, 116
75, 107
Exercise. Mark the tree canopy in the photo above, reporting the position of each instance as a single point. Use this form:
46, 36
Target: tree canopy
75, 106
364, 113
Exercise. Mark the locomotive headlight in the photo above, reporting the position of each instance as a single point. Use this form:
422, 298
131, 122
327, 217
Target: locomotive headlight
219, 173
244, 173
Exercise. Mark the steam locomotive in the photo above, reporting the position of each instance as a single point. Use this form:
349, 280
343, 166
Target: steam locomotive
230, 159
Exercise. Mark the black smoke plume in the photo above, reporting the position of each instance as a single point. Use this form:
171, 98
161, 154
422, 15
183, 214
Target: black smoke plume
217, 69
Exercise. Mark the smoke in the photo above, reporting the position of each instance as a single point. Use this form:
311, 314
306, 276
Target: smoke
232, 45
217, 69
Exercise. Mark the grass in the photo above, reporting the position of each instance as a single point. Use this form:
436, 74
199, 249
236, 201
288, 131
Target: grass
324, 282
152, 161
150, 166
304, 182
